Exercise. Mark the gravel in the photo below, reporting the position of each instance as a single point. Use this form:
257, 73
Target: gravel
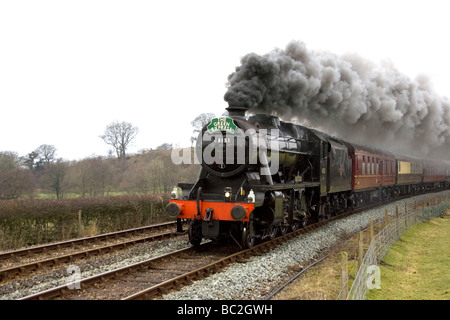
25, 286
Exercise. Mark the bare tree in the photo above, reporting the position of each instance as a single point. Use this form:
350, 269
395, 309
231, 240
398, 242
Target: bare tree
46, 153
8, 160
15, 183
199, 122
15, 180
90, 177
119, 135
54, 173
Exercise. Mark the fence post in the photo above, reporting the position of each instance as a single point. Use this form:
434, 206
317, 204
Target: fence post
406, 215
396, 221
80, 224
344, 276
386, 217
371, 230
360, 251
151, 213
416, 213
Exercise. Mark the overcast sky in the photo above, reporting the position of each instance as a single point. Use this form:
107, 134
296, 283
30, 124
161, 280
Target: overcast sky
69, 68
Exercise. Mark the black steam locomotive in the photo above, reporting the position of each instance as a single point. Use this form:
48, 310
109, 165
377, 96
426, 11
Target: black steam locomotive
261, 177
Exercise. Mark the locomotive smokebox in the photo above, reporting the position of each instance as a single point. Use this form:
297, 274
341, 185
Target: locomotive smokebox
236, 111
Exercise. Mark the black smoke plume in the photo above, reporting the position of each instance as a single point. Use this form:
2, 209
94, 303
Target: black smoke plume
346, 96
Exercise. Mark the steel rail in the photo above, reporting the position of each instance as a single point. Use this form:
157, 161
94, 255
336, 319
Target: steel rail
84, 283
80, 241
11, 272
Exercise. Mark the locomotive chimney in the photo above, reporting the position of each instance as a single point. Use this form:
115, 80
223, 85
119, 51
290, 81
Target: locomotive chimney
236, 111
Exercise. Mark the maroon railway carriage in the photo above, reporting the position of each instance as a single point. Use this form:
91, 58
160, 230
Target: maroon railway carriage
373, 173
434, 174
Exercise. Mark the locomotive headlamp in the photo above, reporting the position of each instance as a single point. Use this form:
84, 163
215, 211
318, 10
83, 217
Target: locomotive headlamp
176, 193
227, 193
173, 209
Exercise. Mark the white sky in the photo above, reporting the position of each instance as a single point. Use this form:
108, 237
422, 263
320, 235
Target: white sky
69, 68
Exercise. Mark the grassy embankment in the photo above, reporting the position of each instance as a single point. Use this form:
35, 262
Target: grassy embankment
417, 267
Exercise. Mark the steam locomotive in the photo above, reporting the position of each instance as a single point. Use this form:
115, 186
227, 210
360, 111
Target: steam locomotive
261, 177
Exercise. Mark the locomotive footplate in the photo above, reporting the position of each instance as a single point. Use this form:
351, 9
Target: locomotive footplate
283, 186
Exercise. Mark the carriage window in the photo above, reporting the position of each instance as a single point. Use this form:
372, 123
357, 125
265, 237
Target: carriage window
364, 166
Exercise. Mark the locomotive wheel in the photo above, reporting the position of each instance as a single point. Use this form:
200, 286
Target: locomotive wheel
298, 224
195, 233
284, 229
273, 231
248, 239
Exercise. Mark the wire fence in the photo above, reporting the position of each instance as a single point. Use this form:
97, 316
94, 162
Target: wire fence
367, 277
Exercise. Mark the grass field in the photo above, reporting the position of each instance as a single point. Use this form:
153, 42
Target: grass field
418, 265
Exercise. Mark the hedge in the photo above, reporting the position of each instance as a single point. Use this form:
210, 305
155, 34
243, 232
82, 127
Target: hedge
35, 221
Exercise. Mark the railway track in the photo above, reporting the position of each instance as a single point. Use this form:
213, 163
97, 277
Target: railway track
129, 280
150, 278
25, 261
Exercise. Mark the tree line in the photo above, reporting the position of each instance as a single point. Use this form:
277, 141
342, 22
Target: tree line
150, 171
40, 173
